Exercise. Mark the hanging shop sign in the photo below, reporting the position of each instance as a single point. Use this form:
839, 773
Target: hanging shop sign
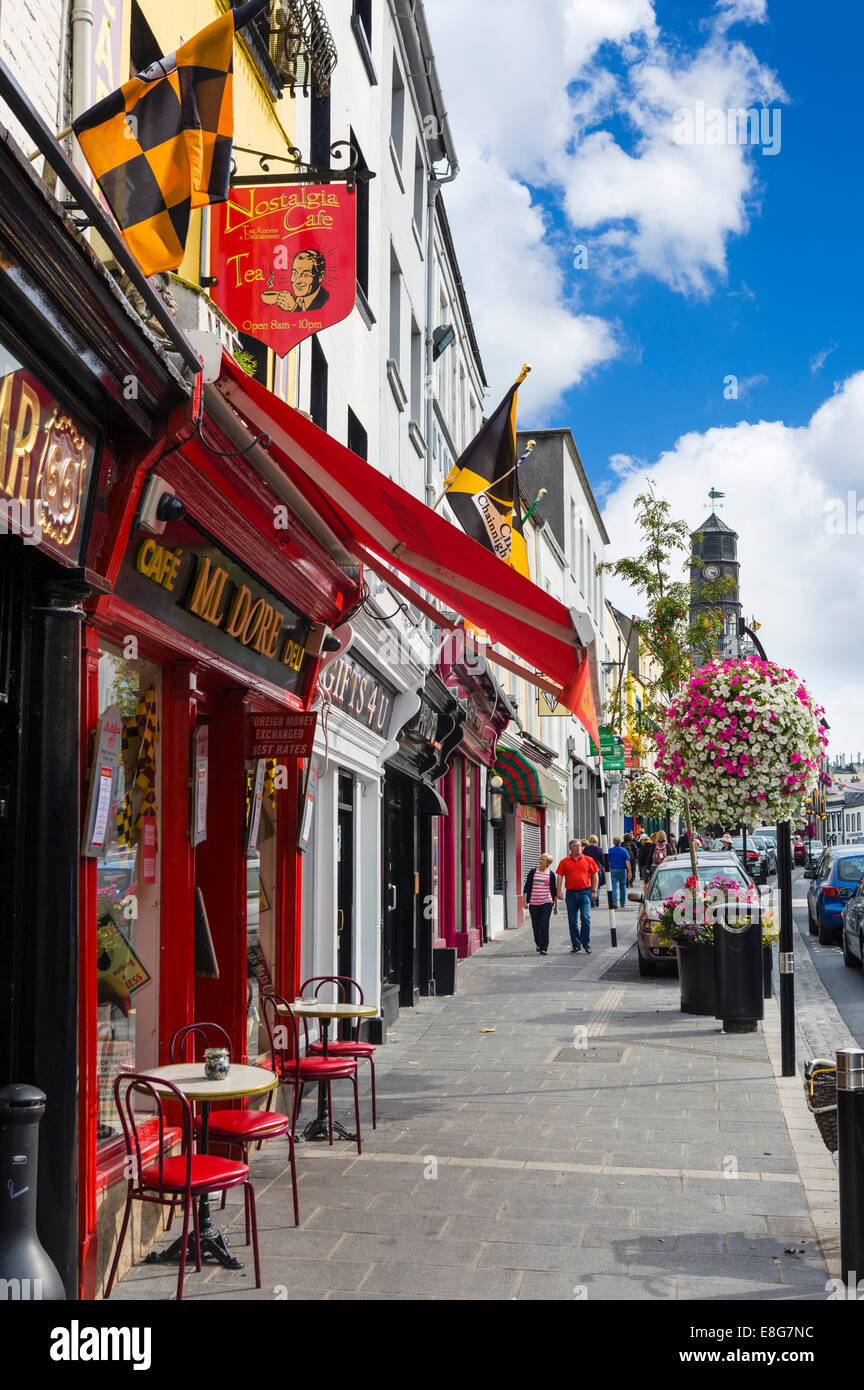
352, 686
288, 734
46, 465
284, 260
185, 580
611, 750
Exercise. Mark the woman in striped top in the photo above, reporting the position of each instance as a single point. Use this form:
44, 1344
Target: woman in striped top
540, 896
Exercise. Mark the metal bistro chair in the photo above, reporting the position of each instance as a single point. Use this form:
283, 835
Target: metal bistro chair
342, 1046
296, 1071
239, 1128
184, 1178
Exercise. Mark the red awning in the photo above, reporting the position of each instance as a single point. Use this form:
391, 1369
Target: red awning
377, 519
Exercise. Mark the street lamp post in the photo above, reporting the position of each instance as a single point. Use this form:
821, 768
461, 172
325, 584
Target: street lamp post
786, 943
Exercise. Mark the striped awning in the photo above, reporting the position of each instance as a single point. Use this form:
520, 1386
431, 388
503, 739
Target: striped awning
525, 784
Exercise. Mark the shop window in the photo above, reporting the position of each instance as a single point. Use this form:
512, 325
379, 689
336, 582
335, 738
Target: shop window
261, 871
457, 810
127, 884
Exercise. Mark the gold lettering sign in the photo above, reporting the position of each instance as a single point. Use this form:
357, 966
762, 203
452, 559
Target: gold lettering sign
44, 458
252, 621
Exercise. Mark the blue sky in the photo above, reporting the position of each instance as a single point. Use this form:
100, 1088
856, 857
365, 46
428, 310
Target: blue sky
794, 278
704, 261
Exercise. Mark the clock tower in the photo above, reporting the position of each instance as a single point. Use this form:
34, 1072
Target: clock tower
716, 545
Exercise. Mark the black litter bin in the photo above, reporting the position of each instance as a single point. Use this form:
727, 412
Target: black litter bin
738, 967
26, 1270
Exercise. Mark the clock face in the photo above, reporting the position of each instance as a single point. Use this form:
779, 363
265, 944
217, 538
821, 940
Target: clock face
711, 572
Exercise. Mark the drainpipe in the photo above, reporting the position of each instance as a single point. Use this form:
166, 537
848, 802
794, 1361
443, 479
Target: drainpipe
82, 50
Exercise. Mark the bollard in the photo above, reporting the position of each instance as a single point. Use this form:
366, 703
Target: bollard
26, 1270
850, 1158
739, 979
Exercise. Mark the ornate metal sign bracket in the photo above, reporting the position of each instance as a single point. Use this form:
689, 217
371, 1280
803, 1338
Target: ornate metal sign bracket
302, 172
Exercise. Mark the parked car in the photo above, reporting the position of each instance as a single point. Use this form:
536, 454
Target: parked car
813, 851
833, 882
769, 833
668, 878
757, 862
852, 927
768, 850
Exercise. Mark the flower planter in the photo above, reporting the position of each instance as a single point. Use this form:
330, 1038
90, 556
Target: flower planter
696, 974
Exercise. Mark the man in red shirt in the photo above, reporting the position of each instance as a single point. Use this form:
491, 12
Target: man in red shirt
579, 877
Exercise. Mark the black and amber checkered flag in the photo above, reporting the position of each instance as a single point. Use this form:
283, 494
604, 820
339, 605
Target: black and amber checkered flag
482, 487
161, 144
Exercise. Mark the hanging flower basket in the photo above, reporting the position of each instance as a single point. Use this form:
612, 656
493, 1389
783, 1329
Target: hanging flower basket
648, 796
743, 739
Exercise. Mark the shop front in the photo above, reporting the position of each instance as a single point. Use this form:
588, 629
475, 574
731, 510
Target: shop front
533, 822
200, 669
359, 884
87, 393
414, 836
464, 892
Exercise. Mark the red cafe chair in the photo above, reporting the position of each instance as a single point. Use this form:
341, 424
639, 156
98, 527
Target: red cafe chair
296, 1071
342, 1046
184, 1178
238, 1128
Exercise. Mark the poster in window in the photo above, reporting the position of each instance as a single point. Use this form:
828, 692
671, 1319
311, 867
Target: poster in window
103, 778
199, 785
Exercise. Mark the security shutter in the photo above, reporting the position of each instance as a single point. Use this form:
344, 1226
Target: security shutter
530, 847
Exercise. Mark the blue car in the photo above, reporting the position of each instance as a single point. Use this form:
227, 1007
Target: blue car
835, 878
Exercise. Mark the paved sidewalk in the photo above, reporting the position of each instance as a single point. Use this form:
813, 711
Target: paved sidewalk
597, 1144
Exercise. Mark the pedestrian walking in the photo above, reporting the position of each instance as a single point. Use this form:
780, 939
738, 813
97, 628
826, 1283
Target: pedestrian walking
646, 857
620, 871
578, 876
661, 848
593, 850
540, 895
683, 843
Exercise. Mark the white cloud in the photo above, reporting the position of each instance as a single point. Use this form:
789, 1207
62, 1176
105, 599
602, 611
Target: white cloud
818, 360
731, 12
532, 93
798, 577
518, 297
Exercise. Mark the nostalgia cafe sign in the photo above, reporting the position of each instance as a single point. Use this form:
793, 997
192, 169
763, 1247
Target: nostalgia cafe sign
184, 580
284, 259
46, 465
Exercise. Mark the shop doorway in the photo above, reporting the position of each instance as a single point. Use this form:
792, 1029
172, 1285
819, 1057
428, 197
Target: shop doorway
345, 877
398, 935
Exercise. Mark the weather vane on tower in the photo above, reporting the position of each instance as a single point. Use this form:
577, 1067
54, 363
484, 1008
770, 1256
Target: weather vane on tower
713, 496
